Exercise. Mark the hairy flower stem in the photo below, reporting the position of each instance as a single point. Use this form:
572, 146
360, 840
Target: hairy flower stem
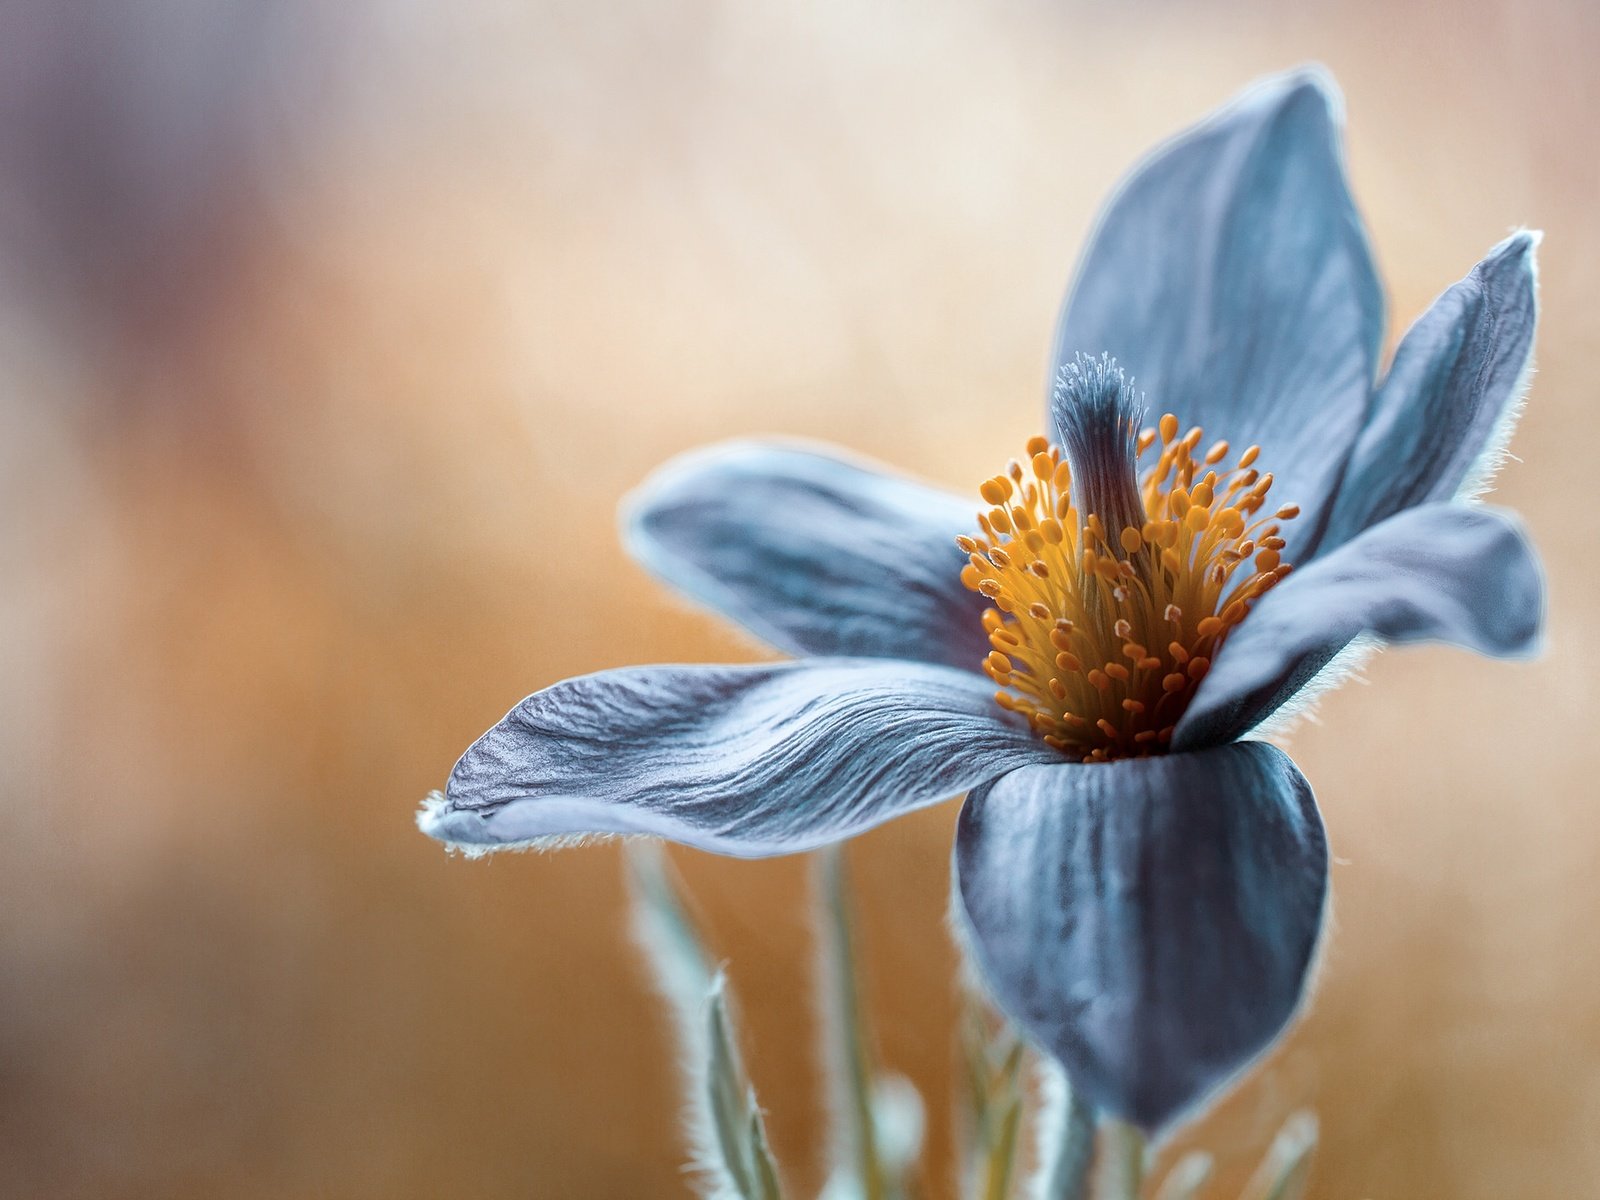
993, 1056
1122, 1148
1066, 1128
847, 1057
744, 1153
723, 1118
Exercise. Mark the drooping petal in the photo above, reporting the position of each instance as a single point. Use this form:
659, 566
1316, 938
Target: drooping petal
744, 760
1449, 401
1149, 922
813, 553
1231, 278
1456, 573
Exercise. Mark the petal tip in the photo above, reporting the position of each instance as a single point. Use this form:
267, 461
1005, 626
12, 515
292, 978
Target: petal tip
442, 822
1309, 87
432, 803
655, 493
477, 833
812, 550
1519, 250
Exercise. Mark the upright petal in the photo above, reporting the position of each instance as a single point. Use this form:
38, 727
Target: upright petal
1446, 408
1453, 573
1149, 922
748, 761
813, 553
1231, 278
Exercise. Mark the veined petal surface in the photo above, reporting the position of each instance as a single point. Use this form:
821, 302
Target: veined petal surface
1149, 922
742, 760
1231, 277
1456, 573
1447, 405
813, 553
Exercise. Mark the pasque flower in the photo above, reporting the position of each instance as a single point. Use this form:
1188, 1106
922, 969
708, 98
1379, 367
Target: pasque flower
1142, 885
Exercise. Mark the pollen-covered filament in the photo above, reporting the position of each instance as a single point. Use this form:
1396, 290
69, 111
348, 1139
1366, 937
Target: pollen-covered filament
1100, 637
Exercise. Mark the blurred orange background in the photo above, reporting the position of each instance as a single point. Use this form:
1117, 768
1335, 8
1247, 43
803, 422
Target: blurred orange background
330, 337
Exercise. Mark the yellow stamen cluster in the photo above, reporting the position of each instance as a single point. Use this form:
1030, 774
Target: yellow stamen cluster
1100, 637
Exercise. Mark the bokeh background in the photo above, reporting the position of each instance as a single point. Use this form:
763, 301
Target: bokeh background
330, 336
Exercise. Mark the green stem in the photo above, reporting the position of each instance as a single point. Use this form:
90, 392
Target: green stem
1076, 1154
848, 1057
1066, 1141
1124, 1156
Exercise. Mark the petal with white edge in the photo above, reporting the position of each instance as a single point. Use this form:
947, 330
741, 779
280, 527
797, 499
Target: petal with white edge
742, 760
1150, 923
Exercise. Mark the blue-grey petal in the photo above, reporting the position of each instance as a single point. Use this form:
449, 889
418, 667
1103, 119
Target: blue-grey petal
743, 760
1446, 408
1149, 922
1231, 277
1456, 573
813, 553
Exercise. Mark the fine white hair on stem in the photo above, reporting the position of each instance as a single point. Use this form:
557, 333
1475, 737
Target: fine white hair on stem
722, 1121
736, 1119
851, 1141
1063, 1132
875, 1120
683, 975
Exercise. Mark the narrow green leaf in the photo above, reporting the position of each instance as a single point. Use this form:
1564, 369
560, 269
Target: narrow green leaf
975, 1079
766, 1169
1002, 1159
736, 1115
992, 1057
726, 1090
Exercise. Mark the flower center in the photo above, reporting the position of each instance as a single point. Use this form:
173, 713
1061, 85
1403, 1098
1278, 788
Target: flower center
1112, 594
